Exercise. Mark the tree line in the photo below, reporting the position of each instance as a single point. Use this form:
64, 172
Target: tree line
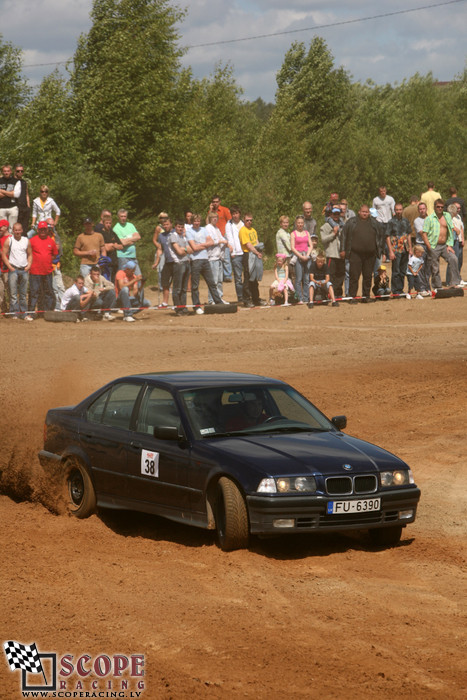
128, 126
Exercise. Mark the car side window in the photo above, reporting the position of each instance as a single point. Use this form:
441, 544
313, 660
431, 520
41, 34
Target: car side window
158, 409
115, 407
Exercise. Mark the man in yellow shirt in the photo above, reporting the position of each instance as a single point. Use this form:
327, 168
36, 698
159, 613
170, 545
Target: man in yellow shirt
429, 198
249, 240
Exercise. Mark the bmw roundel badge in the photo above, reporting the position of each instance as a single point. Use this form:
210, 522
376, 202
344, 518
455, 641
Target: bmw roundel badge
348, 467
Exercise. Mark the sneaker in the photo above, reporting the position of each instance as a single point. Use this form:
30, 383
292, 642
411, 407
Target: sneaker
121, 312
462, 283
425, 293
128, 319
419, 296
225, 302
335, 303
300, 302
310, 304
199, 311
262, 302
286, 304
407, 296
108, 317
14, 318
272, 302
28, 318
162, 306
248, 305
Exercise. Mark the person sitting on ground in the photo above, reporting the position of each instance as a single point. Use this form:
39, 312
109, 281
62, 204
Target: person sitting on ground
78, 298
127, 290
381, 287
104, 292
281, 284
319, 280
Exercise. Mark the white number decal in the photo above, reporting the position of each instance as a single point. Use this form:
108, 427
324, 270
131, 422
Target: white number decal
150, 463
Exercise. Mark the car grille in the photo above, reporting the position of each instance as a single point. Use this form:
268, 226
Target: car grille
346, 485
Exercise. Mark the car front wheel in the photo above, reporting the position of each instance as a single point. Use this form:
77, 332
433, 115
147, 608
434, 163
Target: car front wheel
386, 536
80, 496
231, 516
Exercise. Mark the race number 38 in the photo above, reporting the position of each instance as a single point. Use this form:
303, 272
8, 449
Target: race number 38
150, 463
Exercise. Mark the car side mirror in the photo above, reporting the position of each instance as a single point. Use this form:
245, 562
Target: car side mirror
167, 433
340, 422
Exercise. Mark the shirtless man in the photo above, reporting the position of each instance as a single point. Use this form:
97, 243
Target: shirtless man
438, 238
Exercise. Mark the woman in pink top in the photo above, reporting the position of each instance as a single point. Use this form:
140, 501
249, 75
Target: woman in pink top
300, 242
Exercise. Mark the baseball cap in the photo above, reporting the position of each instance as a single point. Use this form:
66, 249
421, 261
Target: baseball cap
382, 267
130, 265
280, 255
313, 235
4, 222
336, 209
42, 224
88, 220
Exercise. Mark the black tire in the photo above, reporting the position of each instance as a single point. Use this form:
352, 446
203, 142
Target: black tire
80, 497
220, 309
231, 517
386, 536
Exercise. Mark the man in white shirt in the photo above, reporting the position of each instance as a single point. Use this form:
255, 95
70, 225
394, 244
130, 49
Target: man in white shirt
17, 257
232, 230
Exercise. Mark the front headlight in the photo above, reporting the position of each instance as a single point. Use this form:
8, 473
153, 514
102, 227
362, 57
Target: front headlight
398, 477
287, 484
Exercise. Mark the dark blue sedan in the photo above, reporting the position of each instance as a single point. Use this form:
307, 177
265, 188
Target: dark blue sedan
237, 453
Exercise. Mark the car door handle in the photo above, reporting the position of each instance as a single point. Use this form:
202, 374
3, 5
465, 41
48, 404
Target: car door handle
136, 445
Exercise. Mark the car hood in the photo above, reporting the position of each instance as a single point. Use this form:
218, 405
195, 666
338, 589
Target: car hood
303, 453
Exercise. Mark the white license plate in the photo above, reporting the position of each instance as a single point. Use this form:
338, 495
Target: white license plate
363, 505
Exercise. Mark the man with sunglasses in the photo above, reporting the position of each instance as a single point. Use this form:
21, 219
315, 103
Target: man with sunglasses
10, 190
438, 237
24, 204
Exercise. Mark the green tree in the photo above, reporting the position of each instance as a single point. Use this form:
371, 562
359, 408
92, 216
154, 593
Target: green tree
14, 91
124, 93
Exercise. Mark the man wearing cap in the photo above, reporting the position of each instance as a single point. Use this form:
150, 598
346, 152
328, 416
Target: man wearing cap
44, 250
127, 291
17, 258
89, 246
331, 238
128, 236
10, 190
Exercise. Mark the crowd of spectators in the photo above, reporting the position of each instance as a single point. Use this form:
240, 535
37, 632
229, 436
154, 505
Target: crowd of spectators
223, 247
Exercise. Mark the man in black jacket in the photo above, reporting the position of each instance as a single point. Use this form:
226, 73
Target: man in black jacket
363, 242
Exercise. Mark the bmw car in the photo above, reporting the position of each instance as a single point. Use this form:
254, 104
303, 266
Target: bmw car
240, 454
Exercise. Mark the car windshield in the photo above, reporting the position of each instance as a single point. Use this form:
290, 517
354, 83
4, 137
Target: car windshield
247, 410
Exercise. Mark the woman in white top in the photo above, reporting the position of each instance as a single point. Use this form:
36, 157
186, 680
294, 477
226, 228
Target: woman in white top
43, 206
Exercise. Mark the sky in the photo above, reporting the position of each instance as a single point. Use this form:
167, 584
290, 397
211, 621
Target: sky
385, 50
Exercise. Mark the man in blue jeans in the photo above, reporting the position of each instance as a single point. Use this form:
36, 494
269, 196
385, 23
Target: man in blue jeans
199, 241
127, 286
17, 257
44, 250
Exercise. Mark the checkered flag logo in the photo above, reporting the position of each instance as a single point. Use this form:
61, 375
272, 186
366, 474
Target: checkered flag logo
24, 657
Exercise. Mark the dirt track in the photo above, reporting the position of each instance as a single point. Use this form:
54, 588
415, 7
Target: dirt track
287, 618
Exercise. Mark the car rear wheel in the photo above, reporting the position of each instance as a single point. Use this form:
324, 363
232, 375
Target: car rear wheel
386, 536
80, 496
231, 516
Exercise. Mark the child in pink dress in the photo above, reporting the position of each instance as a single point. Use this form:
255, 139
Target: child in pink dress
281, 284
